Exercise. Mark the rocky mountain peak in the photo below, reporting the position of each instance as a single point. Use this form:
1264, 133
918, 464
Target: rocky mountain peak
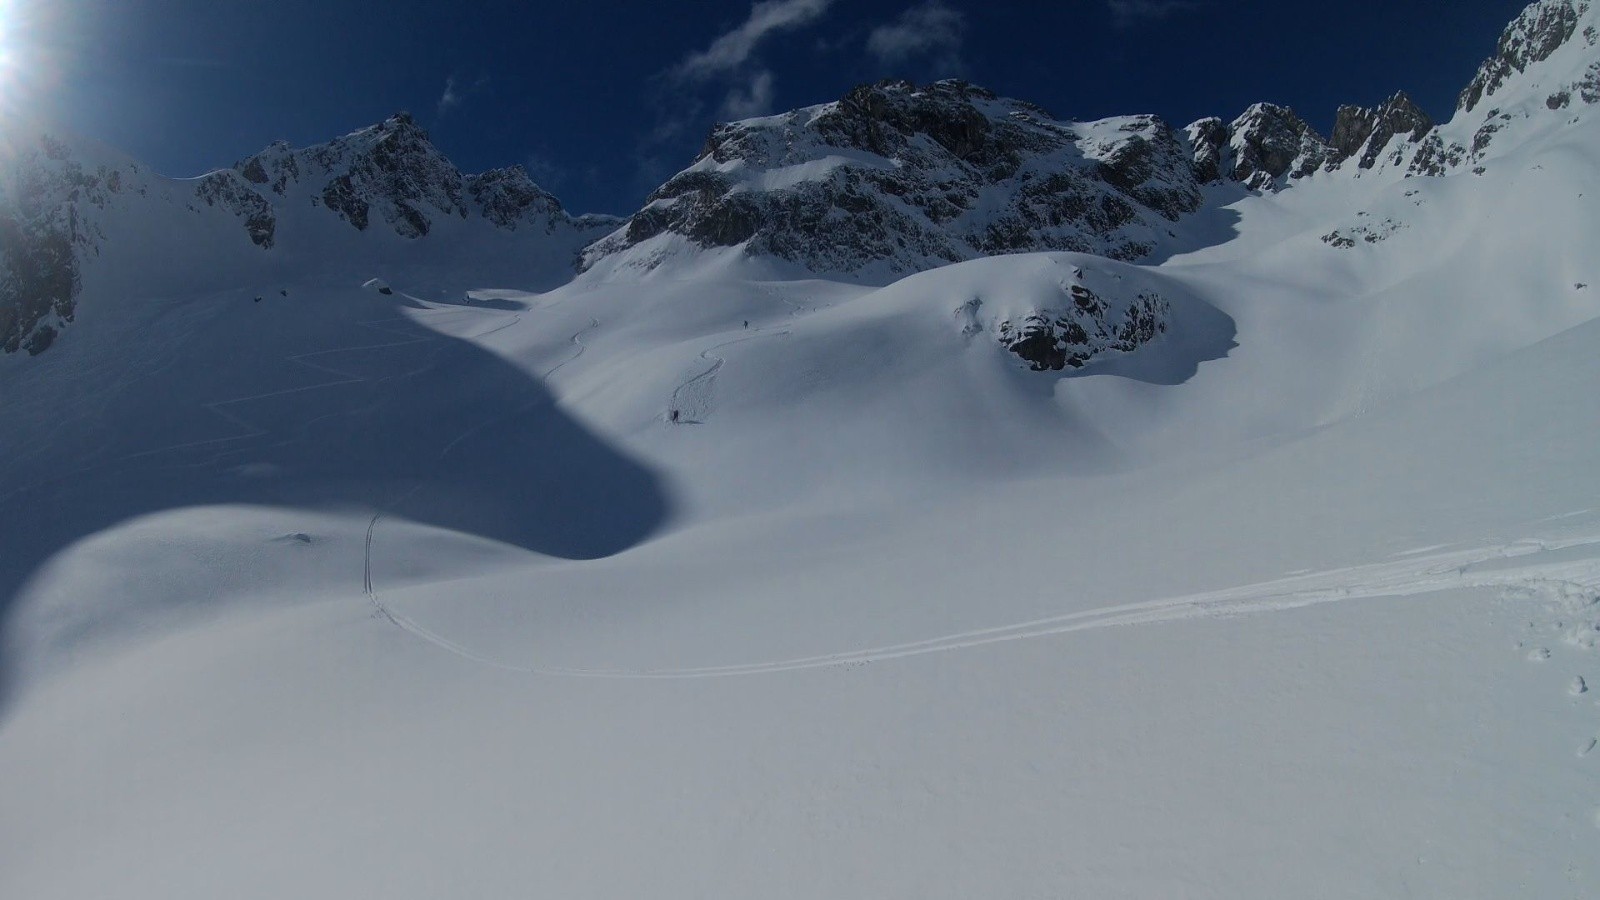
1532, 37
508, 197
1269, 142
1363, 133
912, 176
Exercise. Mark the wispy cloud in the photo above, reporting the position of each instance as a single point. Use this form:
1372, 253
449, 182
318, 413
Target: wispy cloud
456, 92
1133, 13
933, 31
732, 50
731, 59
752, 99
731, 66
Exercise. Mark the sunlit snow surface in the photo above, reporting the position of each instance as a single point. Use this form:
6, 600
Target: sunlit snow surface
426, 594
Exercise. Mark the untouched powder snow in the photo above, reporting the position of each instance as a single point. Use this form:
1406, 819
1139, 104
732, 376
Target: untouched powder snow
727, 579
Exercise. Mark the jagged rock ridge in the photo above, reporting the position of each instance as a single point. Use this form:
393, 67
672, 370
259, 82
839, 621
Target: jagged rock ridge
911, 177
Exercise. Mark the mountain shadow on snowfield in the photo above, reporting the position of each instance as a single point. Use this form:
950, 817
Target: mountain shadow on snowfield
331, 400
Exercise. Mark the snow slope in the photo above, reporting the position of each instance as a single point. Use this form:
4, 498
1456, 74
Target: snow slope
430, 593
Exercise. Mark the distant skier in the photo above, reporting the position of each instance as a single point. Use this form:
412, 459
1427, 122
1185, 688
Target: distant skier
674, 417
747, 323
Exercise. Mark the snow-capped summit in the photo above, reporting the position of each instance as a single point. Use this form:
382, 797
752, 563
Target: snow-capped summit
900, 177
1532, 37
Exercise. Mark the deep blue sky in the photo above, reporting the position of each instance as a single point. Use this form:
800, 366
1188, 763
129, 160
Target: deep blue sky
603, 99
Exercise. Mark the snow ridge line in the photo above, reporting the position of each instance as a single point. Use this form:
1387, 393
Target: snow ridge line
1413, 576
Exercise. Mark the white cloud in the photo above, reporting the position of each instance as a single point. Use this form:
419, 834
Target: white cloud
749, 100
732, 50
932, 31
451, 98
456, 93
1132, 13
731, 61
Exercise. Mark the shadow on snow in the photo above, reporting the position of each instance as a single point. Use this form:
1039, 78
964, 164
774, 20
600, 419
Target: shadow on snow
327, 400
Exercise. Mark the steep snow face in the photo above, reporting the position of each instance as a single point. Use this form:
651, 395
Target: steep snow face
78, 217
902, 178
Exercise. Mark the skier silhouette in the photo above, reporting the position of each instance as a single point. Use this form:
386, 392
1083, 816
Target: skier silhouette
674, 415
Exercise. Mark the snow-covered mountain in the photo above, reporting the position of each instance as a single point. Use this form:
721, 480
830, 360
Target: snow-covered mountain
899, 179
804, 543
891, 179
76, 216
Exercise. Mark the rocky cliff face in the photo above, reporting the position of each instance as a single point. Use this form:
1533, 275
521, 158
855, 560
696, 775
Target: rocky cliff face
911, 177
1546, 62
1532, 37
48, 200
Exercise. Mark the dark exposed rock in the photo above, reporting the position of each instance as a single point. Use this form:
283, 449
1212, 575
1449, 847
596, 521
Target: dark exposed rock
225, 190
1434, 157
1208, 140
1539, 31
341, 196
509, 198
38, 281
1588, 87
1053, 340
253, 171
44, 224
1271, 142
1364, 133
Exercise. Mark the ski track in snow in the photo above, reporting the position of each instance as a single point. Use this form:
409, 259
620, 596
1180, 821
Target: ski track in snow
1513, 567
693, 397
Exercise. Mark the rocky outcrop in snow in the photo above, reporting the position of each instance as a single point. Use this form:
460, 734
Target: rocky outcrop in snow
1362, 134
1083, 326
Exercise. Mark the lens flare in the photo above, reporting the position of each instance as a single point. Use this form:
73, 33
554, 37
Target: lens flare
26, 63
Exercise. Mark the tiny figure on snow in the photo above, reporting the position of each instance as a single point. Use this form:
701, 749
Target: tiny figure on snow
674, 416
747, 323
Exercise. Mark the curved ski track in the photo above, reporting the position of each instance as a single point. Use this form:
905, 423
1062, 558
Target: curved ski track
1414, 575
691, 414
